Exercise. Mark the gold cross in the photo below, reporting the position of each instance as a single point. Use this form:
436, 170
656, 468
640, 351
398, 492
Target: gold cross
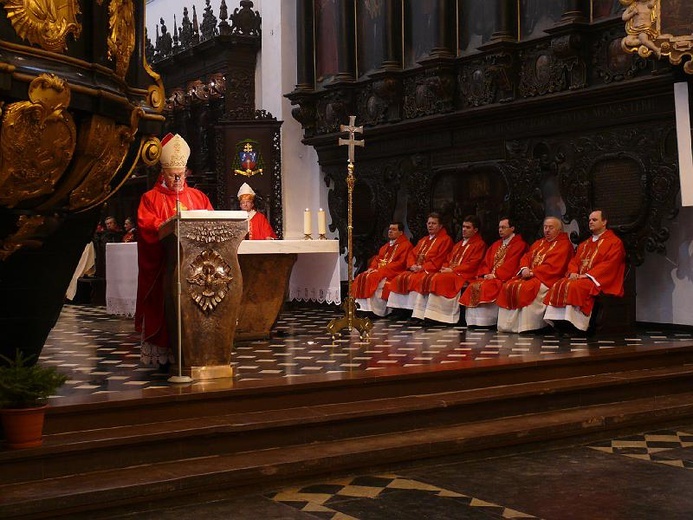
248, 147
351, 142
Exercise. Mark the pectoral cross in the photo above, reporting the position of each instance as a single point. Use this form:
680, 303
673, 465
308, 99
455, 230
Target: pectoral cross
351, 142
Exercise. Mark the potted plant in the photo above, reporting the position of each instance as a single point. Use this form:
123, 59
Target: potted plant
24, 389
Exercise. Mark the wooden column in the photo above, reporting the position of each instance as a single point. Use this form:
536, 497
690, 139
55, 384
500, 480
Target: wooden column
506, 21
445, 35
576, 11
346, 42
393, 35
305, 43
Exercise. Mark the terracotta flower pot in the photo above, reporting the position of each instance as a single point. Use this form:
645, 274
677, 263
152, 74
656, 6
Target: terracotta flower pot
23, 427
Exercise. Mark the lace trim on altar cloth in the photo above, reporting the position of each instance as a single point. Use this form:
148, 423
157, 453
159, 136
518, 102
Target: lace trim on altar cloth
120, 306
313, 294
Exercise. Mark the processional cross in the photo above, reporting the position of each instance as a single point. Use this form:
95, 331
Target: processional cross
350, 321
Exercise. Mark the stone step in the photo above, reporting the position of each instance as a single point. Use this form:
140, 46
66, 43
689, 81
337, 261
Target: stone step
157, 442
82, 495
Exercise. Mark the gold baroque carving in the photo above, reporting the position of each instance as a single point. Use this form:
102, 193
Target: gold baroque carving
23, 237
209, 277
104, 147
44, 22
209, 233
37, 140
659, 27
121, 40
151, 151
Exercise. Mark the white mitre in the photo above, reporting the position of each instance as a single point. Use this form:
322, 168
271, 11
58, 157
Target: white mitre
174, 152
245, 189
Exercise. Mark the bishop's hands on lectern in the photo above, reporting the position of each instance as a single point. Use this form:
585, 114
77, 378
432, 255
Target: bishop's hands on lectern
156, 207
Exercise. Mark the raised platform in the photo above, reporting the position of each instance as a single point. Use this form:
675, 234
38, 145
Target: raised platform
443, 391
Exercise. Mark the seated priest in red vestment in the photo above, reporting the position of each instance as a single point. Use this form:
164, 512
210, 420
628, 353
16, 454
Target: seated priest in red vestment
500, 264
156, 207
428, 256
597, 267
521, 300
439, 293
259, 228
390, 261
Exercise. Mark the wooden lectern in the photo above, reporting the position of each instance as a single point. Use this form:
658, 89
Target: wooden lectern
211, 287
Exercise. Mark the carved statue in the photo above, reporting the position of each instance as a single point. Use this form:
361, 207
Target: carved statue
164, 43
640, 17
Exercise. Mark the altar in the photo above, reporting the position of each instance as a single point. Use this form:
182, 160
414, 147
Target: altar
273, 271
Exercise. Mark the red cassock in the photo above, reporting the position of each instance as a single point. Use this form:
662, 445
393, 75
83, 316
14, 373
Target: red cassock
388, 263
500, 260
604, 260
548, 261
430, 254
259, 228
464, 260
156, 207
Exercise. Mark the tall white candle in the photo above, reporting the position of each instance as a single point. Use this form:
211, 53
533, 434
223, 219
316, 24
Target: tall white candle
307, 224
322, 222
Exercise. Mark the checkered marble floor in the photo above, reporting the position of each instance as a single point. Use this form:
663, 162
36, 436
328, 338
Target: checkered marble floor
100, 352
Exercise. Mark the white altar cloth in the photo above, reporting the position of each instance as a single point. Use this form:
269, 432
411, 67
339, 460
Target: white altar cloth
315, 275
121, 278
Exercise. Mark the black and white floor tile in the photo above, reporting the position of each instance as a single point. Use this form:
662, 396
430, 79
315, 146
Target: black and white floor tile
100, 352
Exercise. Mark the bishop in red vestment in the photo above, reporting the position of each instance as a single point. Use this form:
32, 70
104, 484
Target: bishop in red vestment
259, 228
428, 256
156, 207
597, 267
521, 299
500, 264
390, 261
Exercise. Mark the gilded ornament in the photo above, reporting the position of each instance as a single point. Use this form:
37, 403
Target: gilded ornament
44, 22
211, 233
641, 27
37, 140
104, 146
209, 277
151, 151
24, 237
121, 40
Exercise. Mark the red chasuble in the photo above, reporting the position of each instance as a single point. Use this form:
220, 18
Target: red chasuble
156, 207
604, 260
260, 229
388, 263
548, 261
464, 260
430, 254
500, 260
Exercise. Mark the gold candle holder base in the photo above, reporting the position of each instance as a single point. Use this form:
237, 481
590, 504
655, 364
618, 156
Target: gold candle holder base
307, 236
322, 237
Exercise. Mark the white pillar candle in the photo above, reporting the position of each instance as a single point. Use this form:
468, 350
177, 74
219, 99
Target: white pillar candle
307, 224
322, 222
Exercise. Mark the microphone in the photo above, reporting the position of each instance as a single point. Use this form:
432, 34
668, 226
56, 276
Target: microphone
177, 178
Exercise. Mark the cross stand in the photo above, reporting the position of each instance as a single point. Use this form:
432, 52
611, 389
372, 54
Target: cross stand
350, 321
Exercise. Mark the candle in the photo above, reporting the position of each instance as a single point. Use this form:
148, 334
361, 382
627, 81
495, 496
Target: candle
322, 222
307, 224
